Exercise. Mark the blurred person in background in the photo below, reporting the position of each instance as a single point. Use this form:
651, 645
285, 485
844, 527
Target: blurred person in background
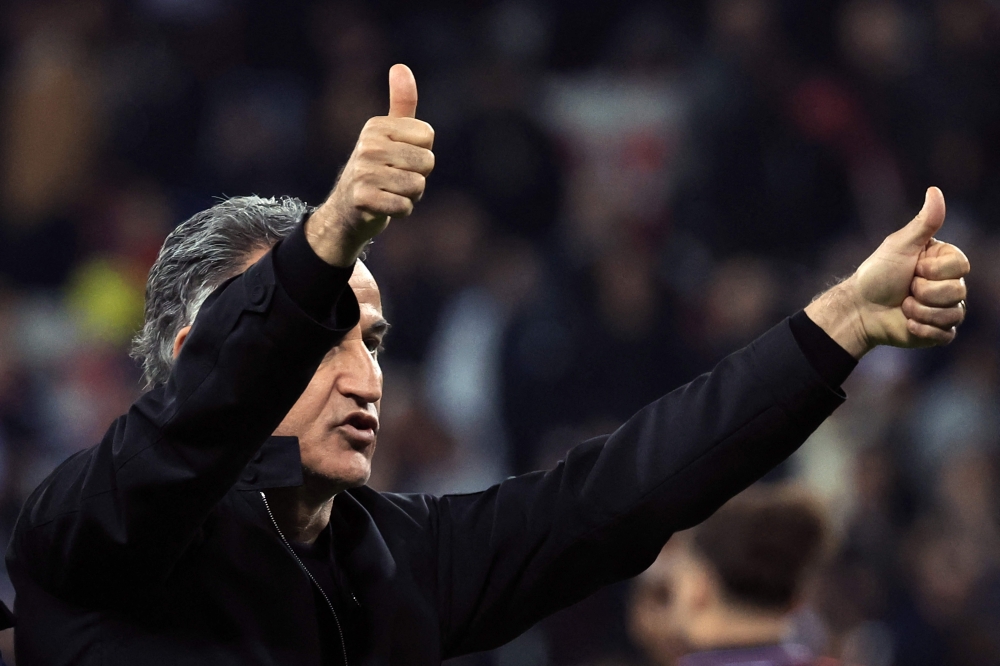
725, 593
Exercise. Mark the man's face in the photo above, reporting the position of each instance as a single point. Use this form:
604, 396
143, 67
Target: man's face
336, 417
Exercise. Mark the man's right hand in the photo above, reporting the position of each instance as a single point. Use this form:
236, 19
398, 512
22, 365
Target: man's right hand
384, 177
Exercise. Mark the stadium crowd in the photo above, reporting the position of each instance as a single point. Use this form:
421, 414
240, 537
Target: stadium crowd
647, 186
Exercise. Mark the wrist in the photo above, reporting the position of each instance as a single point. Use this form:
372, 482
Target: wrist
330, 237
838, 311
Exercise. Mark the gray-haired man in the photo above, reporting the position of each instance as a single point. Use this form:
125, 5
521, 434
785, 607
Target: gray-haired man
224, 518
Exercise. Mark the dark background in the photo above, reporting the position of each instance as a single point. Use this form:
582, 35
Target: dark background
625, 192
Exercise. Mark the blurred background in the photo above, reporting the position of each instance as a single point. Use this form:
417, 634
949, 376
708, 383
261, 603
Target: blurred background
625, 193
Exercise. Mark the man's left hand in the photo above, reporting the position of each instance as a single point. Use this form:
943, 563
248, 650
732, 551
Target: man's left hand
909, 293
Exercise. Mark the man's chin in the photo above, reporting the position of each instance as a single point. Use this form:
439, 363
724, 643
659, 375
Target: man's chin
337, 478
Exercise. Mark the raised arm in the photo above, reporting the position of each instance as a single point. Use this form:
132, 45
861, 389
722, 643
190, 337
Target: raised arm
534, 544
128, 507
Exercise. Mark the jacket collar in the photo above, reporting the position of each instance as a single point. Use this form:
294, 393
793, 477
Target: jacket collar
277, 464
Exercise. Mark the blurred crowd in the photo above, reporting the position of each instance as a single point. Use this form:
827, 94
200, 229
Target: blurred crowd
625, 193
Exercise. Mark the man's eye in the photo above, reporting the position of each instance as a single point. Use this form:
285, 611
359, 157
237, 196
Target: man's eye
373, 345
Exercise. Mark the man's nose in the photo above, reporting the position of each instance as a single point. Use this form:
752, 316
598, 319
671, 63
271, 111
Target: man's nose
359, 376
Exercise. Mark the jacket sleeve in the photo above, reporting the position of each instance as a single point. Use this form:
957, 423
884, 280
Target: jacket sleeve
125, 510
534, 544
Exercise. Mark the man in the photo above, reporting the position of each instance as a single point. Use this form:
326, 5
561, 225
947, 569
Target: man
724, 593
224, 518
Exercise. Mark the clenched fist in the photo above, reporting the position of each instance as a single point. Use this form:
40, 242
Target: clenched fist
384, 177
909, 293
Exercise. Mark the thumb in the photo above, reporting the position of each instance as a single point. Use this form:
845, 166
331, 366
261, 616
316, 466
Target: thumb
402, 92
928, 221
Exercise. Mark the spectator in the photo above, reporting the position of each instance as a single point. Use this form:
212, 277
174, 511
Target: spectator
725, 592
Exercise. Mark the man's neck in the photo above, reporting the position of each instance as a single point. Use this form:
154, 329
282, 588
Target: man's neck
728, 627
302, 513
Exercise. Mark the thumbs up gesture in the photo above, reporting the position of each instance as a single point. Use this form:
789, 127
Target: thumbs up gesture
909, 293
384, 177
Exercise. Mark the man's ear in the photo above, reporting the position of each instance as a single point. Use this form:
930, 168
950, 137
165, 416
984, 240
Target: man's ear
179, 340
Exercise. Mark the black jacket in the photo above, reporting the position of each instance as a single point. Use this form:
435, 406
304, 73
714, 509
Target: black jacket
155, 546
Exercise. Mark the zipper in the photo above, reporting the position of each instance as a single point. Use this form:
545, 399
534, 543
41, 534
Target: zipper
336, 620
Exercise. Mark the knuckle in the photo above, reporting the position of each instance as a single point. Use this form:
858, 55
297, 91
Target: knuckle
419, 186
405, 177
410, 188
426, 135
404, 208
394, 207
372, 148
362, 194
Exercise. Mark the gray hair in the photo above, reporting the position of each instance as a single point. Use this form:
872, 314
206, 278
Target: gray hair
198, 256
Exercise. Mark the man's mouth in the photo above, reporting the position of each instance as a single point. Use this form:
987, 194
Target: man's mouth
360, 429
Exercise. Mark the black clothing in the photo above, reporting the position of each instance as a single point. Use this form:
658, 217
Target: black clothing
336, 631
829, 359
156, 546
